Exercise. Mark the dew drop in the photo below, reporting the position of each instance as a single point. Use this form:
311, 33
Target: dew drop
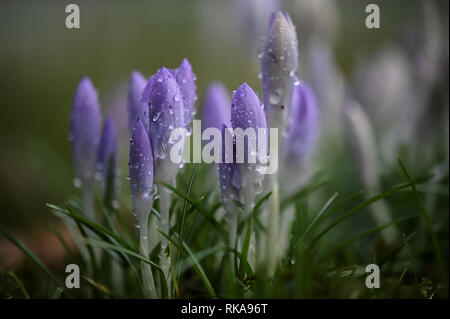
77, 182
156, 116
275, 97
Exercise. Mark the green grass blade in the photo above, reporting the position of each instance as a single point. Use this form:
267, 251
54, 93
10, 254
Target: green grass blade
197, 267
368, 232
302, 193
319, 214
97, 228
356, 209
411, 257
427, 219
183, 215
19, 284
57, 293
32, 256
245, 247
106, 245
223, 234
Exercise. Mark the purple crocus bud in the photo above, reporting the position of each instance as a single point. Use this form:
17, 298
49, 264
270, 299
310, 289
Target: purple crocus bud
229, 175
230, 184
185, 78
85, 122
141, 186
136, 109
304, 123
166, 110
216, 107
141, 169
107, 158
247, 112
279, 63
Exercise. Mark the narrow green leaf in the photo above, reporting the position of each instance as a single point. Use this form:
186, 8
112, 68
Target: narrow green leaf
197, 267
368, 232
319, 214
57, 293
427, 219
31, 255
357, 209
208, 217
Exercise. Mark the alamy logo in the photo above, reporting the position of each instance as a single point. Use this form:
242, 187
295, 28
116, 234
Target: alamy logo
373, 279
73, 279
237, 146
73, 18
373, 19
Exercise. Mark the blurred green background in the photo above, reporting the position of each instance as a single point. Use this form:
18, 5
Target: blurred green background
41, 62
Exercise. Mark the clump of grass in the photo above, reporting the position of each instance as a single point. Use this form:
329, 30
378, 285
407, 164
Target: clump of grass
326, 255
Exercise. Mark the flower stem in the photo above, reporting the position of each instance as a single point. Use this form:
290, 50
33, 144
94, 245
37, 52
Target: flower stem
272, 230
146, 272
165, 200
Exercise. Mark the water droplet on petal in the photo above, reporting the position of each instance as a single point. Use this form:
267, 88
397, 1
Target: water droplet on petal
275, 97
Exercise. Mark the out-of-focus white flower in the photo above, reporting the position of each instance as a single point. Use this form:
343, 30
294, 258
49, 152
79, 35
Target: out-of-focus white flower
328, 83
317, 17
385, 85
362, 141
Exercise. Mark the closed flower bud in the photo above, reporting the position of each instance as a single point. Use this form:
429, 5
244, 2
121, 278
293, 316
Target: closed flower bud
107, 158
230, 184
135, 107
248, 112
141, 169
229, 176
185, 78
141, 186
216, 107
304, 123
279, 64
85, 122
166, 110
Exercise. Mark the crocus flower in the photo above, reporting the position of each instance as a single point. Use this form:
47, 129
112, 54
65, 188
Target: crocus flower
279, 65
303, 128
185, 78
248, 112
362, 142
395, 114
230, 186
328, 83
141, 169
85, 122
166, 111
215, 114
216, 107
135, 107
301, 138
141, 186
252, 15
107, 159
